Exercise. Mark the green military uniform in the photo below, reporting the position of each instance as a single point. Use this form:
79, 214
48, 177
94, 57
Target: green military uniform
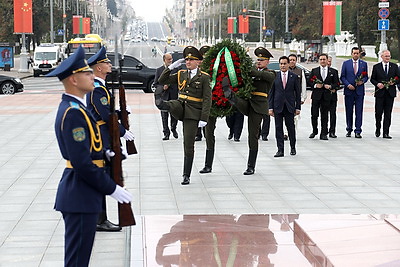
256, 106
193, 104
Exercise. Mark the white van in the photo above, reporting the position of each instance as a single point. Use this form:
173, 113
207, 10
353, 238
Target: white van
45, 58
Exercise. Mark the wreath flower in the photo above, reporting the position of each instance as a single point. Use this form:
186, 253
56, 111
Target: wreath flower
227, 58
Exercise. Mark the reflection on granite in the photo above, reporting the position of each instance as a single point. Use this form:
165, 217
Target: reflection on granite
272, 240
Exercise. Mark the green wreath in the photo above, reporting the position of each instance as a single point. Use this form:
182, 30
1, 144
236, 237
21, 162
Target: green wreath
237, 65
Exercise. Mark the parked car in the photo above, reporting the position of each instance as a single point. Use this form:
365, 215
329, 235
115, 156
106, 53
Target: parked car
10, 85
274, 65
135, 74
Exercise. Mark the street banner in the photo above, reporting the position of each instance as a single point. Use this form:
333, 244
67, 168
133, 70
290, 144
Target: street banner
243, 24
332, 17
77, 27
86, 25
23, 16
232, 25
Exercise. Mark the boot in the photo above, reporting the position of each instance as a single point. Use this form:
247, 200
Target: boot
160, 103
209, 161
228, 93
187, 169
251, 163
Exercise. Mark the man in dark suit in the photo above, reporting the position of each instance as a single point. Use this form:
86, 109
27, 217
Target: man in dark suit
84, 182
167, 92
257, 105
385, 76
193, 104
354, 75
284, 103
323, 80
332, 104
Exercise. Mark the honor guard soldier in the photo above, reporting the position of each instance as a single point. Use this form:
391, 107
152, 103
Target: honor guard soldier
84, 182
193, 104
98, 103
257, 105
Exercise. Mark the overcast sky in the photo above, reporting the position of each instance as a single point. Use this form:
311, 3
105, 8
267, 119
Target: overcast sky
151, 10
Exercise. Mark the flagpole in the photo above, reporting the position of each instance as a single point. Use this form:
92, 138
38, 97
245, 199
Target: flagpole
51, 23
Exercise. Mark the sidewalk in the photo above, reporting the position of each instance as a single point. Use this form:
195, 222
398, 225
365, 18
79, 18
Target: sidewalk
339, 176
14, 72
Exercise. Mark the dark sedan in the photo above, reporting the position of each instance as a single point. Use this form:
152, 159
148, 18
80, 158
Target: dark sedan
274, 65
135, 75
10, 85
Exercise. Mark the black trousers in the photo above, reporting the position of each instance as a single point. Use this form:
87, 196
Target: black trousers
322, 106
289, 122
332, 116
80, 229
265, 125
383, 106
164, 118
235, 124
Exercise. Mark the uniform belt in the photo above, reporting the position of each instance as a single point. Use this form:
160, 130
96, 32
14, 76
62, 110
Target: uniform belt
101, 122
191, 98
260, 94
98, 162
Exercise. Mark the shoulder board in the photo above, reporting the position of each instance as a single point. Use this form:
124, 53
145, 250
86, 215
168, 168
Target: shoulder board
74, 105
205, 73
97, 84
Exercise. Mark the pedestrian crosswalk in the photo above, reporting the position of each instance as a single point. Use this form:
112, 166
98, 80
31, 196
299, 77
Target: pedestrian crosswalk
38, 85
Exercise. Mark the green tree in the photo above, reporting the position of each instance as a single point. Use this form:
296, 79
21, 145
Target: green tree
7, 21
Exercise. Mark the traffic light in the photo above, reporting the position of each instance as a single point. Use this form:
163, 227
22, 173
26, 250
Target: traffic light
288, 38
244, 12
264, 28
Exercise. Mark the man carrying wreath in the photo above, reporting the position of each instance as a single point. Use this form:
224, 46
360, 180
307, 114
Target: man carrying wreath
255, 107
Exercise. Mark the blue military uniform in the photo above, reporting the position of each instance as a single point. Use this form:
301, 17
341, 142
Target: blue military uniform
98, 103
84, 181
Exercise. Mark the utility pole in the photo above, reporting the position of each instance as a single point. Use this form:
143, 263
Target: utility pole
64, 23
286, 48
220, 21
261, 16
51, 23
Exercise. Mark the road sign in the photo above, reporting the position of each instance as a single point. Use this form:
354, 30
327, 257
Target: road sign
268, 32
383, 13
383, 25
60, 32
383, 4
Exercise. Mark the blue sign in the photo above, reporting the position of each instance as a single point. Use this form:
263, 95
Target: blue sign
383, 13
383, 25
60, 32
6, 56
268, 32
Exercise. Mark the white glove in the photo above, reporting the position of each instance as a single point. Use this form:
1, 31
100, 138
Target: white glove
124, 152
176, 64
202, 123
121, 195
128, 109
109, 154
129, 136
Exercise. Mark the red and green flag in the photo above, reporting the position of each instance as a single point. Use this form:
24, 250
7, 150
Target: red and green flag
232, 25
332, 17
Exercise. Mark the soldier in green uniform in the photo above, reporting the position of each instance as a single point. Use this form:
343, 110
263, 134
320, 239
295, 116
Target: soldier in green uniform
255, 107
193, 104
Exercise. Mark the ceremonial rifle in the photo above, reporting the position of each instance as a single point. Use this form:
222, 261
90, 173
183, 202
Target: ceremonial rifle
130, 145
125, 213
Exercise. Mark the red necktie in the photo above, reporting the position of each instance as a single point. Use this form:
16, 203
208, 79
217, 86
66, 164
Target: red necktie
284, 80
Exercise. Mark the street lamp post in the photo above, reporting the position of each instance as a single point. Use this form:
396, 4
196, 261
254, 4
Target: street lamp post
286, 48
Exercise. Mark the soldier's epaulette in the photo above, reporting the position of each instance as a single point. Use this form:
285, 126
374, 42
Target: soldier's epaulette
74, 105
97, 84
205, 73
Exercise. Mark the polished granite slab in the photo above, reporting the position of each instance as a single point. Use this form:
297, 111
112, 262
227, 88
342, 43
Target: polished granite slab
279, 240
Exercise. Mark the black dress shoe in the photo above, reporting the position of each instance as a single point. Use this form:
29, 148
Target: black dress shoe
323, 137
377, 133
175, 134
206, 169
265, 138
357, 135
312, 135
108, 226
186, 180
237, 140
249, 171
332, 135
348, 134
285, 137
387, 136
198, 138
230, 136
279, 154
293, 151
166, 137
